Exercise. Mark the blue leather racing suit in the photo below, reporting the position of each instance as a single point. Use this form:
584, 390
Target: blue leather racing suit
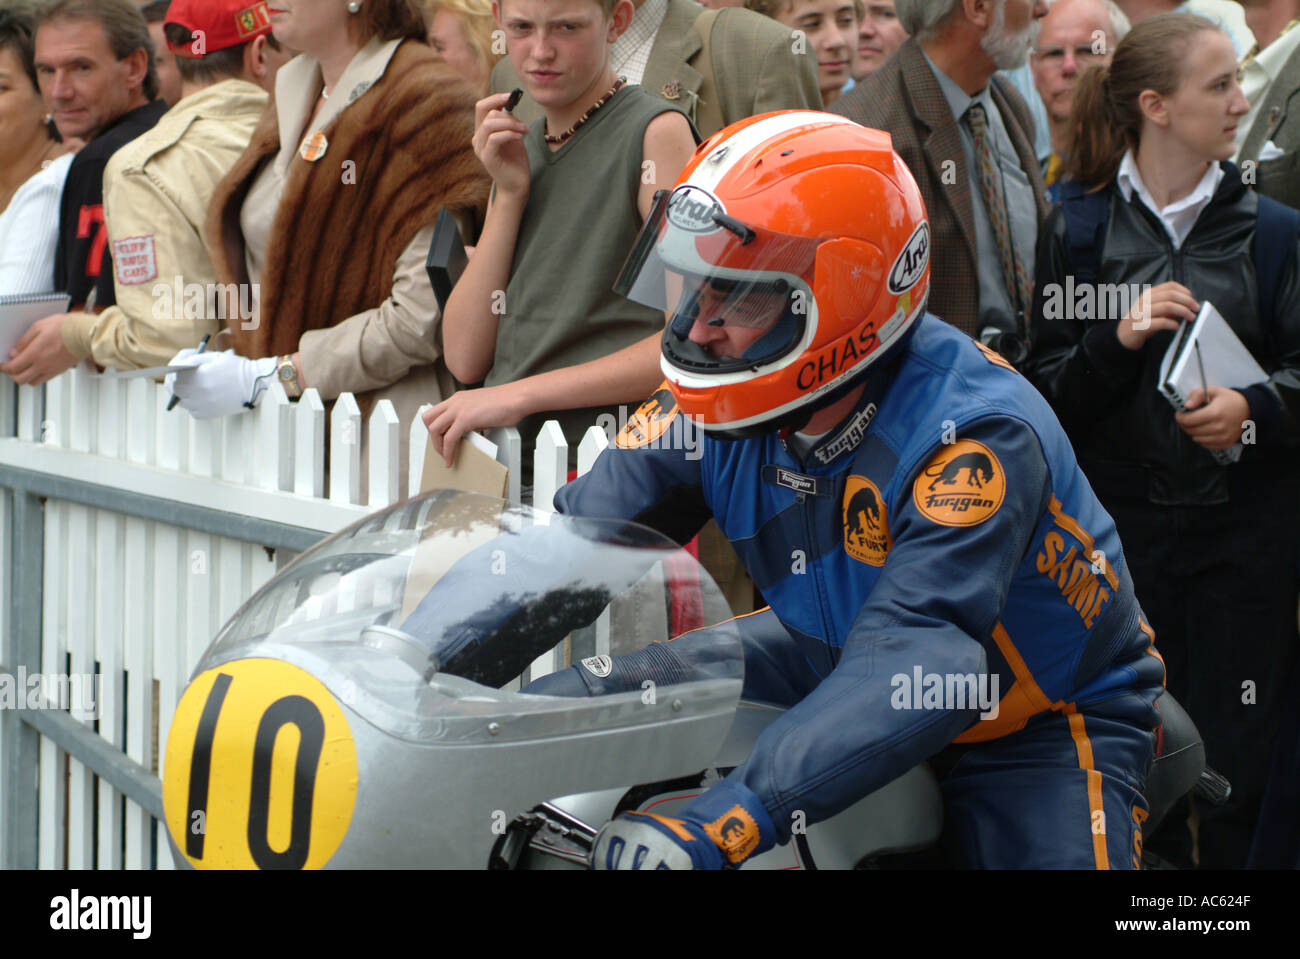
947, 586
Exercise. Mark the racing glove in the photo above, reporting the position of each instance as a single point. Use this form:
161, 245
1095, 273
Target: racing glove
721, 828
219, 383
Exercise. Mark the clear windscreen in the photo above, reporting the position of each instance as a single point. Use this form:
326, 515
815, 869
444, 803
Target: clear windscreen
451, 592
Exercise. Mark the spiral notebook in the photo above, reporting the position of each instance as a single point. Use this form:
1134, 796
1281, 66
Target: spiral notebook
1207, 353
17, 313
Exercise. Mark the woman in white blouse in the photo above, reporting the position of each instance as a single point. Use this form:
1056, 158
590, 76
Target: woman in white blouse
33, 165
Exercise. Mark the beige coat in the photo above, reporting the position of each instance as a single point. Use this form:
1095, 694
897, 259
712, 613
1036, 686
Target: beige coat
391, 350
156, 194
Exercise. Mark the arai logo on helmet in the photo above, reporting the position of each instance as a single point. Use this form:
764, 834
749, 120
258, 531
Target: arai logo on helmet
911, 263
692, 209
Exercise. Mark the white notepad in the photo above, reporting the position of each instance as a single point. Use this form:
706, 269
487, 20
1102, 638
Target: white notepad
1207, 352
17, 313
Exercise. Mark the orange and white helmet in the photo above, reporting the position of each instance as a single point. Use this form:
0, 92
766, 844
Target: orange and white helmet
804, 228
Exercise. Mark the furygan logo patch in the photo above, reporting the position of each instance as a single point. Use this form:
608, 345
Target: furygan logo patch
650, 420
962, 485
735, 832
866, 522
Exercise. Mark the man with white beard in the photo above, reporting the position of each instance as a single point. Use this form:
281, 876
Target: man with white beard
968, 138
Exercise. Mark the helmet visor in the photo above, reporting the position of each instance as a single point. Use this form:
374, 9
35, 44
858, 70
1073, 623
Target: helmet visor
737, 296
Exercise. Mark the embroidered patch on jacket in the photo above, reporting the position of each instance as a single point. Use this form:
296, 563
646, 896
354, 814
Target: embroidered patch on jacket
134, 261
962, 485
866, 522
649, 422
735, 832
600, 666
849, 437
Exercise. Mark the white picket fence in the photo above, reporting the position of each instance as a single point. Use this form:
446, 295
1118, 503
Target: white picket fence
138, 600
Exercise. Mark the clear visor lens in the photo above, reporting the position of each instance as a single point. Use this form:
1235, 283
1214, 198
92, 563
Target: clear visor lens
720, 271
755, 305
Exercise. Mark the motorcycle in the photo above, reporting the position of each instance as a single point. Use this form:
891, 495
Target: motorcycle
363, 709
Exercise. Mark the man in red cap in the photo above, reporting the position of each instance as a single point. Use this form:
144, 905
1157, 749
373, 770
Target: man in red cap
157, 190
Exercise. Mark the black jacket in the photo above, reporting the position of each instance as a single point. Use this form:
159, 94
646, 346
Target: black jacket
1122, 428
82, 260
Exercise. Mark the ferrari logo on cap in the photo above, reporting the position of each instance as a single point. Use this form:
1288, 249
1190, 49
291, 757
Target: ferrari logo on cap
253, 20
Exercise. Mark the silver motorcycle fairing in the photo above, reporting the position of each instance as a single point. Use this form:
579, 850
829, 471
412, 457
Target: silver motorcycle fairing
444, 805
443, 764
902, 816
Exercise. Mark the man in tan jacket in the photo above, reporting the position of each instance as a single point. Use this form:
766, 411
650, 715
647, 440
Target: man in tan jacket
156, 194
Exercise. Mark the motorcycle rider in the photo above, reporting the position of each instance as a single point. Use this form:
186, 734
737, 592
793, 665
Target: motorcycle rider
793, 258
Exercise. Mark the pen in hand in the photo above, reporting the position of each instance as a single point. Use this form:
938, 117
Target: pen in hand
203, 345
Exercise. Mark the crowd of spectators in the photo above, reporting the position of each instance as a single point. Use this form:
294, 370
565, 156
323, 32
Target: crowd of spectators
289, 161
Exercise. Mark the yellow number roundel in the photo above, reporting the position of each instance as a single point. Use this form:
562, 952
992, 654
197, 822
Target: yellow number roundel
261, 769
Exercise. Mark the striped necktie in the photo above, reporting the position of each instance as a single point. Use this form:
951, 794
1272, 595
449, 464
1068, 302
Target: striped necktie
1014, 276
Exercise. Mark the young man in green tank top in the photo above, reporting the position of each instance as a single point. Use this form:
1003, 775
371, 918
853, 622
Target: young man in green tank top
533, 317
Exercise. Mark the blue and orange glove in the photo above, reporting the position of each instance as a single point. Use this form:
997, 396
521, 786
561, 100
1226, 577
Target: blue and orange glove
721, 828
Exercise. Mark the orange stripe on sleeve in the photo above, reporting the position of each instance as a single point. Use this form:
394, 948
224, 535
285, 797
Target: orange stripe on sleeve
1025, 698
1139, 817
723, 623
1071, 525
1083, 746
1018, 666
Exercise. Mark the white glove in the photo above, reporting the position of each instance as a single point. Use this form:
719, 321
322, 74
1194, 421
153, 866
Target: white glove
219, 384
628, 843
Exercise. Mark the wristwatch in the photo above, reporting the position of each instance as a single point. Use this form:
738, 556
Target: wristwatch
288, 375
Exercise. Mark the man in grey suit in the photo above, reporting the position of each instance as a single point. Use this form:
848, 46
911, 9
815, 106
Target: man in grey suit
719, 66
1271, 137
966, 136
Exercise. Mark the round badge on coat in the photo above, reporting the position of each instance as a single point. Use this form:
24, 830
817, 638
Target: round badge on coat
314, 147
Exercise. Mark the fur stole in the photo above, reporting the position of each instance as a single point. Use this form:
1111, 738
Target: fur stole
395, 157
